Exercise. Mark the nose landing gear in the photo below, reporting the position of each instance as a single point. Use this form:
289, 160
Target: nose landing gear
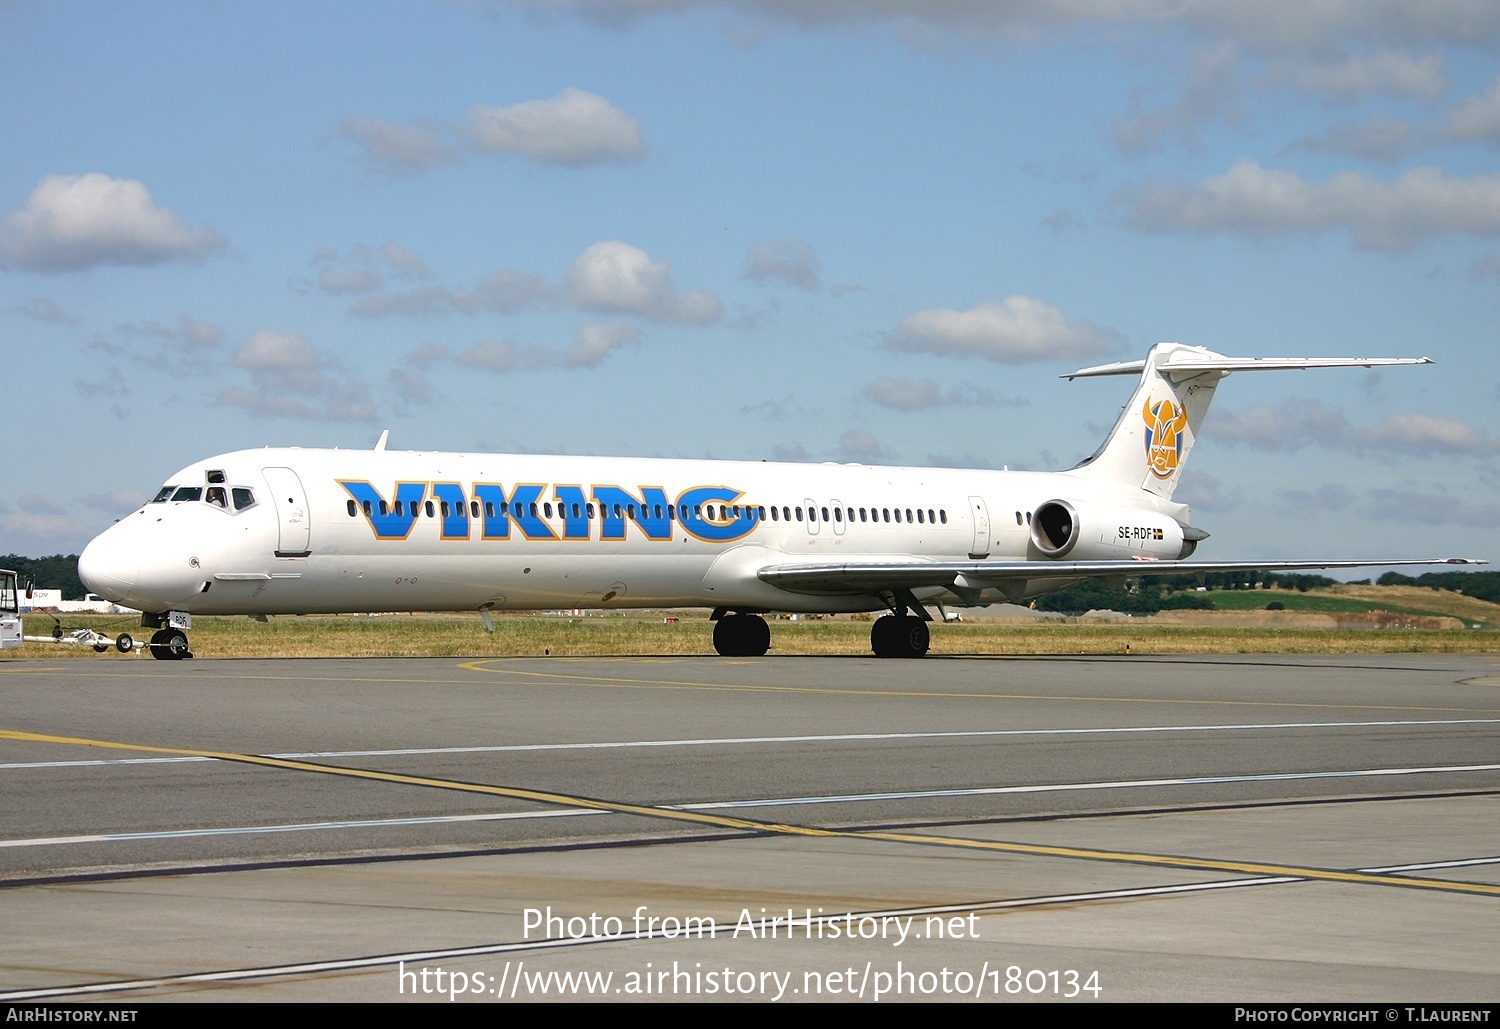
169, 645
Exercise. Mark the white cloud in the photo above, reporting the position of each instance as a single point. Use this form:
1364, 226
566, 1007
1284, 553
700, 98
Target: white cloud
862, 446
1476, 117
495, 356
574, 128
1271, 23
789, 261
1378, 138
1429, 509
1299, 423
1207, 492
1013, 330
112, 384
45, 309
1208, 93
71, 222
617, 278
596, 342
403, 148
916, 394
364, 268
504, 292
1385, 73
290, 380
1424, 435
1258, 202
189, 333
117, 502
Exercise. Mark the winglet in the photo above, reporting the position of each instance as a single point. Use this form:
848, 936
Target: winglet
385, 434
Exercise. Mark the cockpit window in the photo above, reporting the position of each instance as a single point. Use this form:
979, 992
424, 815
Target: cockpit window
217, 497
243, 498
216, 476
163, 494
189, 493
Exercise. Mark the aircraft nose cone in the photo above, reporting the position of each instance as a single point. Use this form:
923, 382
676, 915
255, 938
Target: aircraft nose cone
108, 569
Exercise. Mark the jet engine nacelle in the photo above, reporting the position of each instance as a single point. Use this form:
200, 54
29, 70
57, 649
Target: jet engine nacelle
1088, 532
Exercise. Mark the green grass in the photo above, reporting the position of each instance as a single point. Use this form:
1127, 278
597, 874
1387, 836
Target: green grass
1256, 600
650, 635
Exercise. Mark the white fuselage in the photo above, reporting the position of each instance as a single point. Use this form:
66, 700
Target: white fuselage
377, 530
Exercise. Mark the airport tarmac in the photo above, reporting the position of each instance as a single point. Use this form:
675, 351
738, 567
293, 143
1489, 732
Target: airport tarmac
1227, 828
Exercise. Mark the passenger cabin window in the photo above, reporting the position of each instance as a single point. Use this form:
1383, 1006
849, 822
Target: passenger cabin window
353, 509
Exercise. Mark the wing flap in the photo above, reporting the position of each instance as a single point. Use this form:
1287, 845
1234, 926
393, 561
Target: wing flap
861, 577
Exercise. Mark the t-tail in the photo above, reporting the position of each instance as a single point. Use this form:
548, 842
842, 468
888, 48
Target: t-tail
1149, 445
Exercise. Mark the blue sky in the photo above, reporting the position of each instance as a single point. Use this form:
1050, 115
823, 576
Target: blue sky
872, 230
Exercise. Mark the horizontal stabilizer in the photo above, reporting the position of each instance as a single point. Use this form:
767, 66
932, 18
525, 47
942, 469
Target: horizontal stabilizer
857, 578
1192, 364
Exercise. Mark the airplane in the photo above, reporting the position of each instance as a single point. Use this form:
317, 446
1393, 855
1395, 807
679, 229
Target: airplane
306, 531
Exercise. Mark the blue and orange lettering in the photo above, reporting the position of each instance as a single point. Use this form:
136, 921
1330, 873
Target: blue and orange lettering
491, 497
616, 504
387, 521
726, 527
456, 514
523, 509
570, 503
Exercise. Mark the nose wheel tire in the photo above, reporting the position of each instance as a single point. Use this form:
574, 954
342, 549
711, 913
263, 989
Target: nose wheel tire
123, 643
170, 645
904, 636
742, 636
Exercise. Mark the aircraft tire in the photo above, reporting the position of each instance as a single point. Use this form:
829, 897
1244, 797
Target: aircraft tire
906, 636
915, 639
177, 644
742, 636
123, 643
757, 636
169, 645
100, 648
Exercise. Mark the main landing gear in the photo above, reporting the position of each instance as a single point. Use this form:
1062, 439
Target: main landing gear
900, 635
169, 645
741, 635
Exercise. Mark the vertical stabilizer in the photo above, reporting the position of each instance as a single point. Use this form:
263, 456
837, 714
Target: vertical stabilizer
1150, 443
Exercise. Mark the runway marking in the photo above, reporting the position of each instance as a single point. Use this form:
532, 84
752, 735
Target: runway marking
533, 946
744, 740
781, 828
612, 682
609, 682
721, 805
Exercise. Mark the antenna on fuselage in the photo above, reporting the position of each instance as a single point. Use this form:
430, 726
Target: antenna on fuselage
385, 434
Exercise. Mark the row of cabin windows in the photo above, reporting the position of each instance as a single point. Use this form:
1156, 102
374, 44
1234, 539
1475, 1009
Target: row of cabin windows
723, 512
218, 496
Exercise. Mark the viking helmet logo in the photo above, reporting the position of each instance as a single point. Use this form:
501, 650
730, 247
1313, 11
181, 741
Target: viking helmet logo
1165, 422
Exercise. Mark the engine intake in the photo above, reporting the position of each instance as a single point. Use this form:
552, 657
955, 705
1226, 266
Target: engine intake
1060, 528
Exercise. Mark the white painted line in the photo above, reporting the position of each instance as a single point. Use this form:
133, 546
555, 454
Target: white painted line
1086, 786
826, 918
850, 798
750, 740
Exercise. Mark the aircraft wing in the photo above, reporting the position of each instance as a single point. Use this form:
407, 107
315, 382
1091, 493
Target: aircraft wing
866, 577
